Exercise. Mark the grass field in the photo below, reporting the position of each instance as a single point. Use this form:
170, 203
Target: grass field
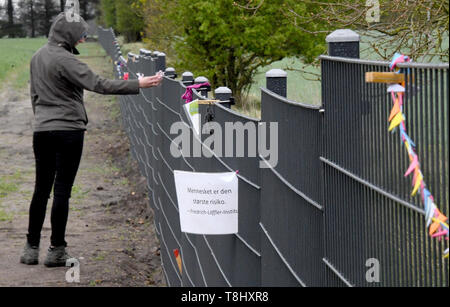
16, 57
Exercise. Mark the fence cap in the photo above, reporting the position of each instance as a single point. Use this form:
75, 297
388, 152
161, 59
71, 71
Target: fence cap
222, 90
276, 73
145, 52
170, 69
342, 35
161, 54
201, 79
187, 74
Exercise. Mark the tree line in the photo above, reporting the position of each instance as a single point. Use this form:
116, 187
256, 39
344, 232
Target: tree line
32, 18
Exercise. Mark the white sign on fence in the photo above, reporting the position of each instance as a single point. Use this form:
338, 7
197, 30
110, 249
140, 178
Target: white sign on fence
207, 202
192, 110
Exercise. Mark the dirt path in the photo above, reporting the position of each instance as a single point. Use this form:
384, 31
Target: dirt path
110, 231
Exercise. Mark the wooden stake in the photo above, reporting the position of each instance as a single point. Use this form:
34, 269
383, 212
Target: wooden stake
384, 77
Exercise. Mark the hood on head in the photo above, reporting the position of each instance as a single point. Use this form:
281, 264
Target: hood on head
66, 32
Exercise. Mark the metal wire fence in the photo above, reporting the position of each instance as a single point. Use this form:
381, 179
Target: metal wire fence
336, 198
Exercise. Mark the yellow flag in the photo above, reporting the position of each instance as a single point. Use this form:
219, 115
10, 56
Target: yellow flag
417, 185
396, 121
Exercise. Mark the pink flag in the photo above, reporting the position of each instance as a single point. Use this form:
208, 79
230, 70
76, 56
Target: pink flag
413, 165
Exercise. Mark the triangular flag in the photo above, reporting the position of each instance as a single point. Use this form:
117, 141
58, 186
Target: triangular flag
176, 252
430, 211
416, 172
437, 219
396, 121
395, 110
425, 196
417, 184
413, 165
439, 234
407, 138
408, 148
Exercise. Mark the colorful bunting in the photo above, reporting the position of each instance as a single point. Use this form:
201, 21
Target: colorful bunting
435, 220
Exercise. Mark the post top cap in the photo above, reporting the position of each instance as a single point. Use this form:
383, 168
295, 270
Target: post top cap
187, 74
222, 90
201, 79
161, 54
342, 35
170, 69
276, 73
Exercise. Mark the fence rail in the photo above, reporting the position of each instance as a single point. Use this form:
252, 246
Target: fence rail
337, 197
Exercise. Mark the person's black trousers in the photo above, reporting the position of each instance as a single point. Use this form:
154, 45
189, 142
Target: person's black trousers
57, 155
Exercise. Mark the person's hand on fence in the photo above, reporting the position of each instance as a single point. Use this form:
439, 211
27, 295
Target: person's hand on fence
146, 82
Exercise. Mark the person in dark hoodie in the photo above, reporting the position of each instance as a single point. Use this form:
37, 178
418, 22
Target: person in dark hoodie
57, 82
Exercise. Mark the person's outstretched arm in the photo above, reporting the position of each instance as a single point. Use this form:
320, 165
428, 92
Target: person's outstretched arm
79, 73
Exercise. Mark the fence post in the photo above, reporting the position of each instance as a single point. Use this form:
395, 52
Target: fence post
170, 73
223, 94
144, 52
187, 78
205, 89
276, 81
343, 43
161, 61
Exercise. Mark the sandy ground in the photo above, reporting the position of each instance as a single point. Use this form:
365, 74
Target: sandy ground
110, 230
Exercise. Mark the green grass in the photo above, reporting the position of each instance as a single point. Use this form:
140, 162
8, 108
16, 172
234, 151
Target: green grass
16, 56
91, 50
78, 193
301, 84
15, 60
10, 183
129, 47
100, 257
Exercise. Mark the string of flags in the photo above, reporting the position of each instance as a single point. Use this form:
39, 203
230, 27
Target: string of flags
435, 220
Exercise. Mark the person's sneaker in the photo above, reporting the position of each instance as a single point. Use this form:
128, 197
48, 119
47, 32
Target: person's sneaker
56, 256
30, 255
